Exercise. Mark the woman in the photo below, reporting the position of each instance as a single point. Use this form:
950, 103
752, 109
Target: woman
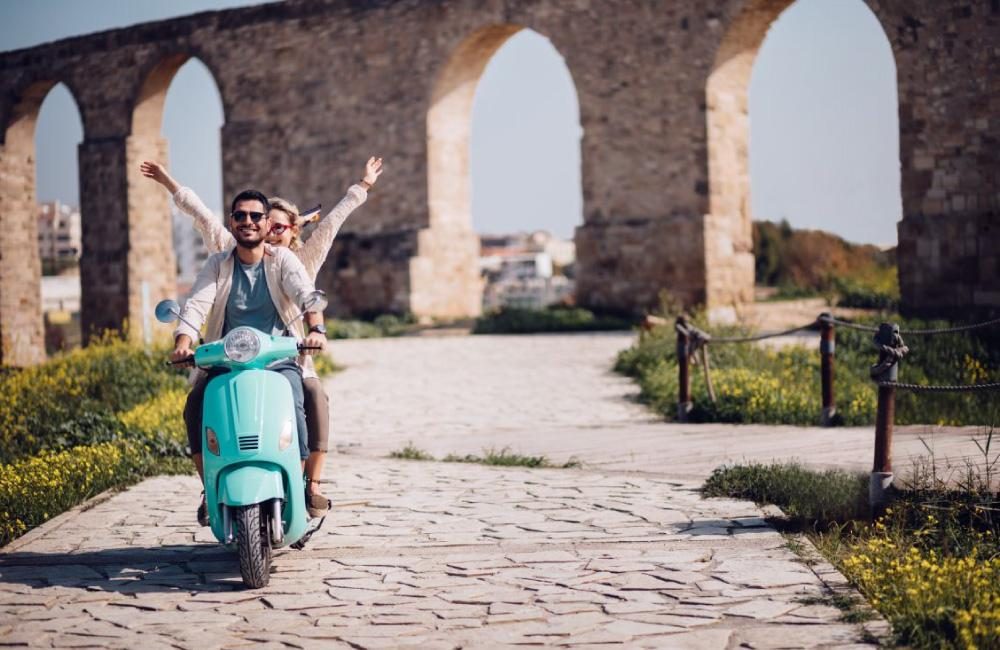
285, 231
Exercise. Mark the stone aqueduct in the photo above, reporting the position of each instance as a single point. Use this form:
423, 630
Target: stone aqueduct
311, 87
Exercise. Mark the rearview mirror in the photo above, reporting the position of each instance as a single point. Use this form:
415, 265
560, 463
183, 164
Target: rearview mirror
167, 311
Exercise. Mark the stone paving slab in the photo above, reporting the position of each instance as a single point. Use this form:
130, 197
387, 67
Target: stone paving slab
613, 560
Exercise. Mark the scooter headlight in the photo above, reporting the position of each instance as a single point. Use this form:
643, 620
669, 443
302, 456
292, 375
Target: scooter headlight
242, 345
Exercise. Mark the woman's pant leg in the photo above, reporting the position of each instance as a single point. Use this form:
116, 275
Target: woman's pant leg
293, 373
317, 406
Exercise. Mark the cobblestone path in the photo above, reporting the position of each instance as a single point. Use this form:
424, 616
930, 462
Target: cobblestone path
622, 552
441, 555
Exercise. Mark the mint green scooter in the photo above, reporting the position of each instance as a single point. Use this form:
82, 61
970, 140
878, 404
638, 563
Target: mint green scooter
253, 473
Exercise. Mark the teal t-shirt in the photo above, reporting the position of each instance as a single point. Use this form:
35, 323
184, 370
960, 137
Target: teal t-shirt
250, 303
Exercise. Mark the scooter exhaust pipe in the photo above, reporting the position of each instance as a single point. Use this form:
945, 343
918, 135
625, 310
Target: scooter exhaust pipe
277, 526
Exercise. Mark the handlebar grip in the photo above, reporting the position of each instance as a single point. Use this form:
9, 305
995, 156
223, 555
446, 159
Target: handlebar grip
180, 364
310, 347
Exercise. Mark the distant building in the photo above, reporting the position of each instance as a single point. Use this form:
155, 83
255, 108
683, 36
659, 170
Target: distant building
189, 250
59, 237
528, 271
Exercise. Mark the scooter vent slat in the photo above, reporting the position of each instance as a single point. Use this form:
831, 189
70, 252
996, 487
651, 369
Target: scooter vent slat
248, 443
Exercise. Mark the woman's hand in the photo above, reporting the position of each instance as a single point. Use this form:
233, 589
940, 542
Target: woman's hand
158, 173
373, 169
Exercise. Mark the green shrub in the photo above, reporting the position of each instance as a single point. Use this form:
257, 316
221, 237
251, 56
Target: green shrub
807, 497
325, 365
384, 325
865, 294
36, 489
72, 399
510, 320
756, 384
159, 423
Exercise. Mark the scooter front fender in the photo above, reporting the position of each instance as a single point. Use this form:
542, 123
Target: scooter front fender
249, 484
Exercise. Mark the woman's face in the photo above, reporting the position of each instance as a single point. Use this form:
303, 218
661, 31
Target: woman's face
282, 230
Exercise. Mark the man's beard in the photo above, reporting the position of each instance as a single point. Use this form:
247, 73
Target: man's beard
250, 244
243, 243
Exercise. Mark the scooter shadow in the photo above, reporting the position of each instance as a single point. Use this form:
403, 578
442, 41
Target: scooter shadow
131, 570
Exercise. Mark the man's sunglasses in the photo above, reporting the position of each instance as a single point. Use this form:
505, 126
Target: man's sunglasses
242, 215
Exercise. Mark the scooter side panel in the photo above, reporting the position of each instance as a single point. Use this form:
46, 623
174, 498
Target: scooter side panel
247, 409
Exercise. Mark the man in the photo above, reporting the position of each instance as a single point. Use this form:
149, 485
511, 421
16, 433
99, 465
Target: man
253, 285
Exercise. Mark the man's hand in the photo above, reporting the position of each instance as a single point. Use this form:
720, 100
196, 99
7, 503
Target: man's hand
314, 340
182, 351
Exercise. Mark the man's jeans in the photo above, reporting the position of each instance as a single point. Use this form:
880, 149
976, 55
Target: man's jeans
193, 408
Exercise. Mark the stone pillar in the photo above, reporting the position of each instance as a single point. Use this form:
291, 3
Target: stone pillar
623, 265
368, 274
444, 275
22, 336
104, 273
152, 266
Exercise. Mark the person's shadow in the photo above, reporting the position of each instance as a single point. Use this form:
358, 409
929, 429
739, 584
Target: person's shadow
130, 570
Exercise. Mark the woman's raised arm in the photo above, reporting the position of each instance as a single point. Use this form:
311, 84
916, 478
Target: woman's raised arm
314, 250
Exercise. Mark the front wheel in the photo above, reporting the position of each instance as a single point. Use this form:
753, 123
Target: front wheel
253, 545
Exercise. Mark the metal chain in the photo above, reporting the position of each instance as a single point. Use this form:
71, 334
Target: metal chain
941, 330
920, 388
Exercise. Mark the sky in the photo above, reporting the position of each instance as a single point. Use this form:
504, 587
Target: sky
824, 142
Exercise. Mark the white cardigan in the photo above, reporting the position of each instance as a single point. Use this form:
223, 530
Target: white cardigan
312, 253
287, 282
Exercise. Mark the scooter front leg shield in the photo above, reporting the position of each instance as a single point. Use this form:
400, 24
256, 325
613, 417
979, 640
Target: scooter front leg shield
252, 417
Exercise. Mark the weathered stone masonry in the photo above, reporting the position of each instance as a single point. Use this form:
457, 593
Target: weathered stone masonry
310, 88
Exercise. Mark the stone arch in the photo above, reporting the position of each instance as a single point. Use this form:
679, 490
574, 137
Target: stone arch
22, 336
151, 257
728, 225
449, 129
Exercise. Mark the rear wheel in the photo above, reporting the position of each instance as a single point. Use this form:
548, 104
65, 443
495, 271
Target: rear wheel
254, 546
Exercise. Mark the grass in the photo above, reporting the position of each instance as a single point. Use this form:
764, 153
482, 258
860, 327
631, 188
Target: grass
506, 458
498, 457
807, 497
410, 452
853, 609
930, 564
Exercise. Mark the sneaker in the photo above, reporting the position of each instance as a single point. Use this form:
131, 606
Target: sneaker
316, 504
203, 511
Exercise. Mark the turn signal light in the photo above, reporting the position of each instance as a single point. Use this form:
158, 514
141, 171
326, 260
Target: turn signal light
211, 441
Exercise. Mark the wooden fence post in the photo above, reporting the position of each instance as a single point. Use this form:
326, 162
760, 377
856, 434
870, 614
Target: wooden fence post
827, 348
683, 370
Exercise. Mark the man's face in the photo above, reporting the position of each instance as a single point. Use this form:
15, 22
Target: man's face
241, 223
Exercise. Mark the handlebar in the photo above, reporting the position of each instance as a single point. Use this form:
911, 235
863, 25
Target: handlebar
189, 362
180, 364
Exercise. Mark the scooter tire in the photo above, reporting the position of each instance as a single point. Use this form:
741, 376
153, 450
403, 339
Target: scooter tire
253, 545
